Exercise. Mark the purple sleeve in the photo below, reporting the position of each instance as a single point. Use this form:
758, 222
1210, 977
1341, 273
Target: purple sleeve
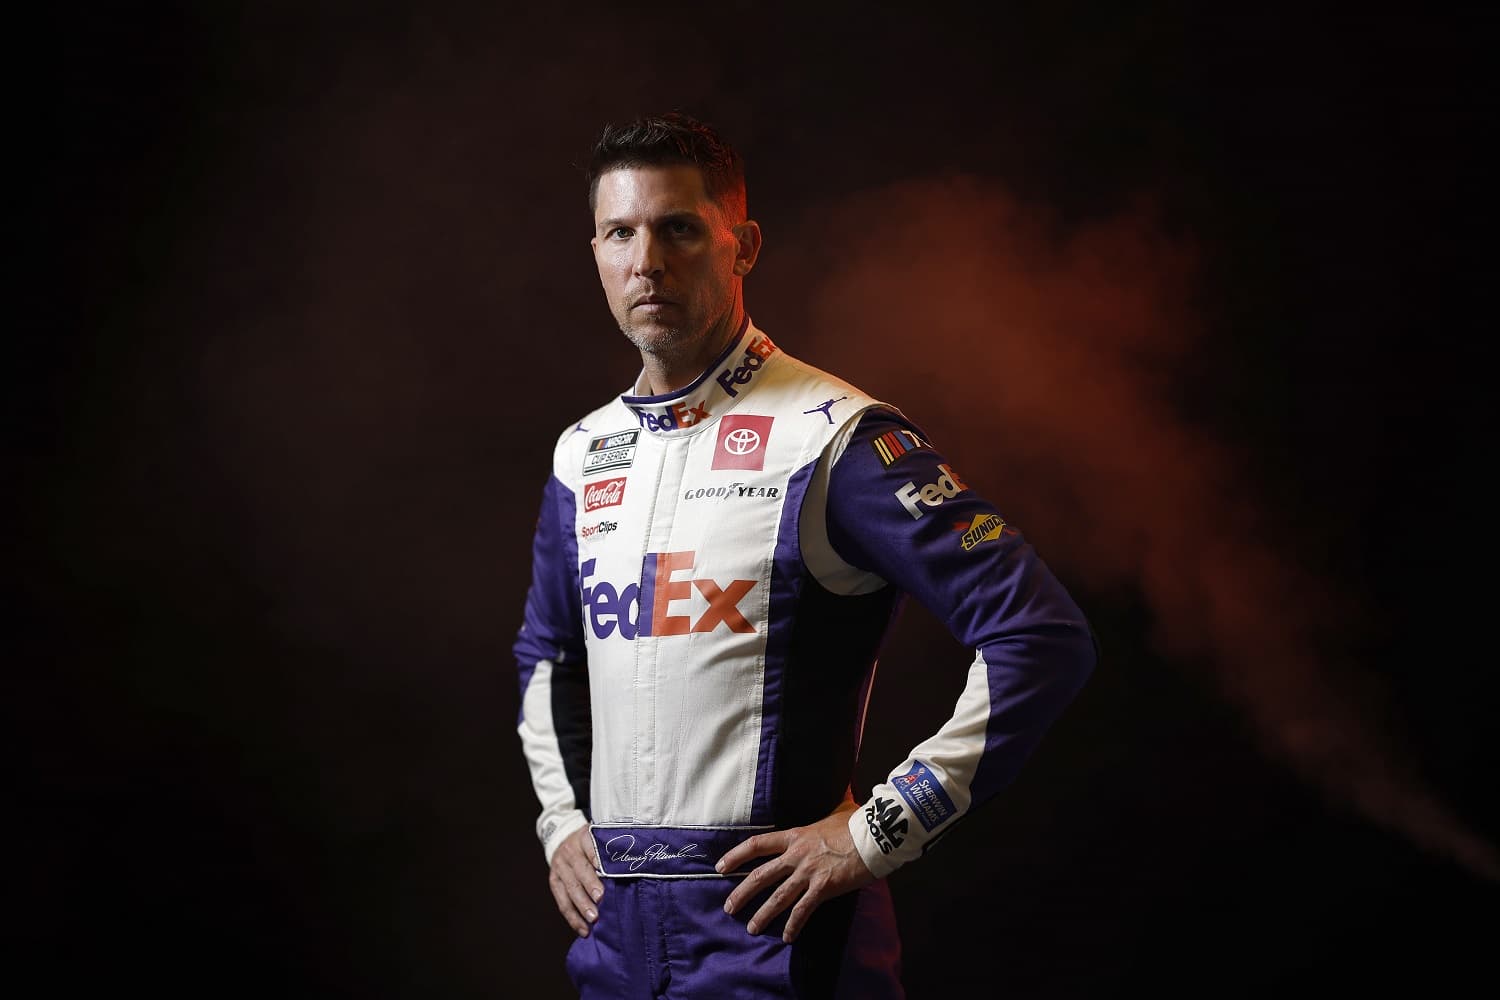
897, 508
555, 725
552, 625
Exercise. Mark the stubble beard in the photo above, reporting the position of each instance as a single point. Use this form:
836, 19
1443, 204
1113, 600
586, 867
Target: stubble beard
673, 347
665, 342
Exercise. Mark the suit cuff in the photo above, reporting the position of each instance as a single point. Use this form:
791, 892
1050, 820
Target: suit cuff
554, 829
874, 829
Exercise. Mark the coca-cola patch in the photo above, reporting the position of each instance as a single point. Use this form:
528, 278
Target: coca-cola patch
605, 493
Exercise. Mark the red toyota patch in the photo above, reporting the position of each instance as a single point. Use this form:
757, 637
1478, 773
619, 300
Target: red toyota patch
742, 442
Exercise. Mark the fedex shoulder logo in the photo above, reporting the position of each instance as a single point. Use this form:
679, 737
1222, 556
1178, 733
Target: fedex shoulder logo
756, 354
609, 608
947, 487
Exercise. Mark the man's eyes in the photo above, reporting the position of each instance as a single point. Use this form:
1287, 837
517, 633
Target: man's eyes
676, 227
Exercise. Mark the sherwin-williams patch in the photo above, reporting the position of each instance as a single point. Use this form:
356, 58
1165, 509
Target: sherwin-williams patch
610, 451
920, 788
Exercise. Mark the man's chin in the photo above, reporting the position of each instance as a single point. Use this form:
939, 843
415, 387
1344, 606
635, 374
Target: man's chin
651, 336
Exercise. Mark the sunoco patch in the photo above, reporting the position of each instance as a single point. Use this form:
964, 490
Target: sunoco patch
610, 451
983, 528
920, 788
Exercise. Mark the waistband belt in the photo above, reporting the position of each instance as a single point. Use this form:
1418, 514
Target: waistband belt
669, 851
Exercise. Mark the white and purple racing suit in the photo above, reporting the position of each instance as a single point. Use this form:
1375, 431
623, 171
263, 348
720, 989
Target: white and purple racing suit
714, 571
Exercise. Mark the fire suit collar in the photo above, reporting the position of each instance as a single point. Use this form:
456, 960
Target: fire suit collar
721, 386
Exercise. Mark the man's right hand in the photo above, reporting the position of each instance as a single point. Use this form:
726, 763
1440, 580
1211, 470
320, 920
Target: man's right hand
575, 885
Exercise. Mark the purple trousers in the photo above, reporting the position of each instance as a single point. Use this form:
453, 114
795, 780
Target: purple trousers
670, 938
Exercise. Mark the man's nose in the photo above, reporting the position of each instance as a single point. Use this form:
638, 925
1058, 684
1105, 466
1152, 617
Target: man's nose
648, 256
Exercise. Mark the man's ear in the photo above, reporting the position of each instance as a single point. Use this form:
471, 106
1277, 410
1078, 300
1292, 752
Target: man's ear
747, 246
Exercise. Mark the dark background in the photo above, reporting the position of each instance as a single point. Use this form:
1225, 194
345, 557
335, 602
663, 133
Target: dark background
315, 302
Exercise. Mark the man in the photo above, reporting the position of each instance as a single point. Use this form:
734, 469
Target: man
719, 555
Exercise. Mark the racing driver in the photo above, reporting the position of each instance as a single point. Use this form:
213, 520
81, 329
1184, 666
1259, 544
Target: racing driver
719, 554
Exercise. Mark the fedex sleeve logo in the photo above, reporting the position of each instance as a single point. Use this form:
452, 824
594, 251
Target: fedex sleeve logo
609, 608
947, 487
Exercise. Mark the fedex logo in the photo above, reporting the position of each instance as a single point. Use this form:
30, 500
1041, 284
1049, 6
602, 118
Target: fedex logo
947, 487
647, 608
756, 354
672, 417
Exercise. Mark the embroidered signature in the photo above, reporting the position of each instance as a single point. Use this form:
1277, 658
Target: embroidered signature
656, 852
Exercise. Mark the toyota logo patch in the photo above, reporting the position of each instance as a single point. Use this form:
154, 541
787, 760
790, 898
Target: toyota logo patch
742, 444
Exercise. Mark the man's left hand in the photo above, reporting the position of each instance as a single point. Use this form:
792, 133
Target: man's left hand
813, 864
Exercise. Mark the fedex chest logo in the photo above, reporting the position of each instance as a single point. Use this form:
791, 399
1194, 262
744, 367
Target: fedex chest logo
604, 493
656, 605
742, 442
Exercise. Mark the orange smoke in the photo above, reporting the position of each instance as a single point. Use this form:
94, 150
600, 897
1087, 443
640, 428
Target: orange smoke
1043, 359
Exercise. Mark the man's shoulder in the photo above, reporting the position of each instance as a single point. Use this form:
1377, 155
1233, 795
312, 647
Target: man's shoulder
794, 368
840, 402
578, 437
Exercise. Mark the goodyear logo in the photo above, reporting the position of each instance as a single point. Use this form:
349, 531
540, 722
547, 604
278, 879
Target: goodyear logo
984, 528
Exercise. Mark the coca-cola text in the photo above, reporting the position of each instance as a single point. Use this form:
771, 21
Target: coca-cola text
605, 493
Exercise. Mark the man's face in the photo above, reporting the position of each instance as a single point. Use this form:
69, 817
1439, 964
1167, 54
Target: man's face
668, 259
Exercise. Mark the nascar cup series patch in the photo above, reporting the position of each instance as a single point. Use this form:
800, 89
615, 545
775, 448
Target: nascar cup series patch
610, 451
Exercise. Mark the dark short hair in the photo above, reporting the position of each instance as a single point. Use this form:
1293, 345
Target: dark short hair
665, 140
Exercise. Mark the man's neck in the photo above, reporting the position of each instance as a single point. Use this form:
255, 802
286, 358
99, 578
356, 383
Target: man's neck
665, 374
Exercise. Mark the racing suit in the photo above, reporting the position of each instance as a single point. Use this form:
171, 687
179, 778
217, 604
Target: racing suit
714, 571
